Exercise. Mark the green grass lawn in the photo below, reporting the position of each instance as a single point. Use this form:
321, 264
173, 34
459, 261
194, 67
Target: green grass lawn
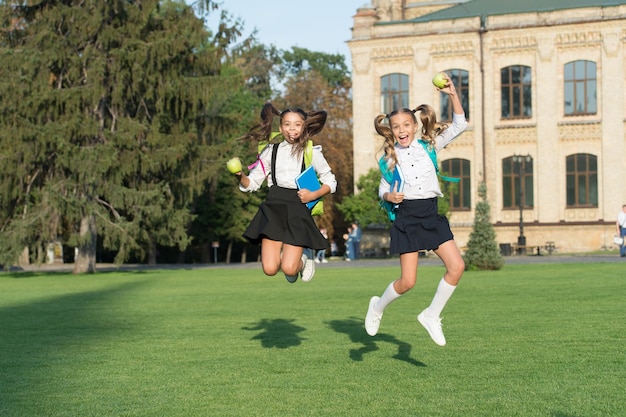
528, 340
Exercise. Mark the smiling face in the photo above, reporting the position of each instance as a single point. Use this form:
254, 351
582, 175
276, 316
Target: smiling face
404, 128
292, 126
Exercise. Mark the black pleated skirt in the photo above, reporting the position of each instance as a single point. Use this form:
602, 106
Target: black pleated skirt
418, 227
282, 217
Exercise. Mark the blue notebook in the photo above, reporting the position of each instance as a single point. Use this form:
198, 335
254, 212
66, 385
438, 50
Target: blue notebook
398, 178
308, 180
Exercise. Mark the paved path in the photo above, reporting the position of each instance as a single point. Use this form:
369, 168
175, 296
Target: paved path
432, 260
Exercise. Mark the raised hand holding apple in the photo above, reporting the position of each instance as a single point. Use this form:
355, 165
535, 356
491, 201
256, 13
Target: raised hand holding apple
234, 165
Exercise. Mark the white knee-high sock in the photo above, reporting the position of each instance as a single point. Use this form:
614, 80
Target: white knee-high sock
442, 295
387, 298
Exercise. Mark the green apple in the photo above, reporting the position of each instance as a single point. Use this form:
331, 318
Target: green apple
439, 80
234, 165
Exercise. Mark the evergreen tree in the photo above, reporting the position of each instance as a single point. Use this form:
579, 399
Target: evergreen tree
482, 248
223, 212
108, 120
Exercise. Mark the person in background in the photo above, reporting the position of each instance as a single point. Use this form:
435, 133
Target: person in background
417, 225
320, 256
355, 236
334, 250
347, 237
283, 224
621, 230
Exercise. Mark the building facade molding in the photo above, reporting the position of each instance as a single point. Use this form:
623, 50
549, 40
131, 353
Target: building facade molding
384, 43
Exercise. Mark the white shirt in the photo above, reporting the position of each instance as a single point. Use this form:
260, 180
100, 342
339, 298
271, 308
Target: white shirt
621, 219
288, 168
420, 175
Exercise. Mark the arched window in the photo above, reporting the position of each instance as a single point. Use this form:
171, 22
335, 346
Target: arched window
460, 78
516, 91
580, 88
394, 92
461, 197
582, 180
517, 182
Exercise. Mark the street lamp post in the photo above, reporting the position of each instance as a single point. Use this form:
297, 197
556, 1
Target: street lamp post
215, 245
521, 239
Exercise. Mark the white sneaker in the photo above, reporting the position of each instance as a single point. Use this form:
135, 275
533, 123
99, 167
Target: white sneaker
372, 319
317, 261
324, 261
308, 268
433, 327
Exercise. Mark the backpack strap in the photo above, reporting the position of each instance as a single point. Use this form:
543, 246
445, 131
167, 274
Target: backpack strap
274, 153
430, 150
308, 154
388, 175
260, 148
307, 160
384, 169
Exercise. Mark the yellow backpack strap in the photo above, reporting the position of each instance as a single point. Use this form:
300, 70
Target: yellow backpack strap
260, 148
263, 144
308, 153
318, 208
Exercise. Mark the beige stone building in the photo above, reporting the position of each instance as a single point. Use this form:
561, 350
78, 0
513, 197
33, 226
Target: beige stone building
543, 87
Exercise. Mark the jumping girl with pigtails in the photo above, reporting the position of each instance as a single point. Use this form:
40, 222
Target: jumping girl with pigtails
283, 225
417, 225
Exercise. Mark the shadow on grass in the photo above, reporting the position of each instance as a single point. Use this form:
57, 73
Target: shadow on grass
21, 274
32, 274
354, 329
277, 333
36, 337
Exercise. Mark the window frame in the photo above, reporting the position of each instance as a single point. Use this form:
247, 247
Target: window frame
511, 182
573, 80
573, 177
516, 96
391, 95
460, 199
460, 78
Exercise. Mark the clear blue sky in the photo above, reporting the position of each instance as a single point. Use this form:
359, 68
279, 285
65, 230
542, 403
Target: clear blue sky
317, 25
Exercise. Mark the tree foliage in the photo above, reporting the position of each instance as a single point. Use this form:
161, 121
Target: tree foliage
332, 67
116, 111
364, 206
482, 248
118, 117
222, 212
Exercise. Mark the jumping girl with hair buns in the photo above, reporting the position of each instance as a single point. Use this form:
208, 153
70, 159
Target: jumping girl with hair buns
283, 224
417, 225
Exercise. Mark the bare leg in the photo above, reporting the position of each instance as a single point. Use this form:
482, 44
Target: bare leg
270, 256
408, 274
291, 262
453, 261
